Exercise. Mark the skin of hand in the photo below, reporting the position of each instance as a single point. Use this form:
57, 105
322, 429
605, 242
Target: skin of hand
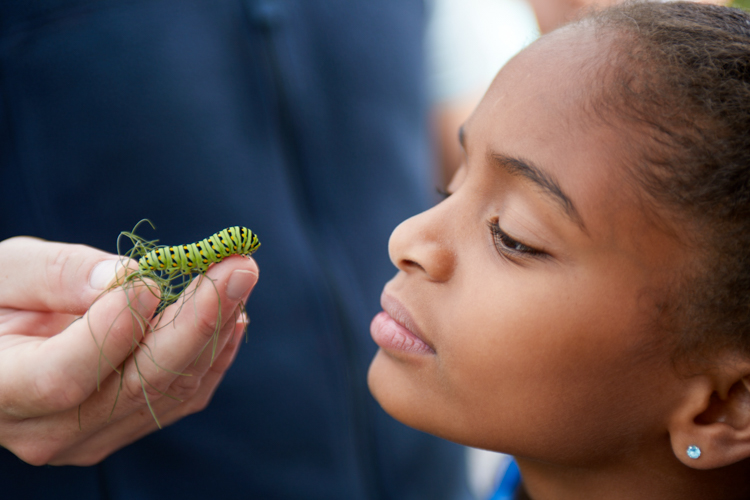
60, 333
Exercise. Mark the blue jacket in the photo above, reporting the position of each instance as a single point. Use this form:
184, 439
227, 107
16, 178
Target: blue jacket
301, 119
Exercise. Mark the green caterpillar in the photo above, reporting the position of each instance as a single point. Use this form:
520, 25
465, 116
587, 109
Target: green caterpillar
169, 271
196, 257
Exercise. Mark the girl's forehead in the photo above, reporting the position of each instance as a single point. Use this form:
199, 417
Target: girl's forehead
543, 103
568, 66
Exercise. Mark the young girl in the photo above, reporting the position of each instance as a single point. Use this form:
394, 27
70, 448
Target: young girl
581, 300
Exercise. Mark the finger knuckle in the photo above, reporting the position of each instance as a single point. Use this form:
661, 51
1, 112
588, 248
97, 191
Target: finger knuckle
207, 326
185, 387
198, 403
137, 390
36, 452
62, 262
222, 363
52, 394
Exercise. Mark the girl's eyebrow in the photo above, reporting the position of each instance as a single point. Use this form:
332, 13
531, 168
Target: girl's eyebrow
527, 169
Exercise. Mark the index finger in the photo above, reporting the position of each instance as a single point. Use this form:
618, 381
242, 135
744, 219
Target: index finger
40, 275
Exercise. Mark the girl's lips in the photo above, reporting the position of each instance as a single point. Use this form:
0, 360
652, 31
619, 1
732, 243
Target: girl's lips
397, 334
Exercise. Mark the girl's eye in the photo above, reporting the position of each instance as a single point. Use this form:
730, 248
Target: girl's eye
509, 247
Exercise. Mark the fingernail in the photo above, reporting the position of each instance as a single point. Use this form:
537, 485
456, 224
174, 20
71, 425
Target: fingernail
103, 274
240, 282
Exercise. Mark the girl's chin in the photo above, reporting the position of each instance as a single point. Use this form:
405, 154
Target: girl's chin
387, 385
395, 386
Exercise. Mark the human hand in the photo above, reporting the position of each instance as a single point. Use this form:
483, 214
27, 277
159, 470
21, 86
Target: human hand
51, 362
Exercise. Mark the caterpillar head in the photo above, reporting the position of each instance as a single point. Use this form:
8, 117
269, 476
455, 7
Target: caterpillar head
255, 243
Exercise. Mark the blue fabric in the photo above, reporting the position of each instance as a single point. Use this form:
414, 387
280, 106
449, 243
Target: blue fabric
301, 119
509, 483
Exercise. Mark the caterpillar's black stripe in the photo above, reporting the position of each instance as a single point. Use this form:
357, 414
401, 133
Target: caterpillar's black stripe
196, 257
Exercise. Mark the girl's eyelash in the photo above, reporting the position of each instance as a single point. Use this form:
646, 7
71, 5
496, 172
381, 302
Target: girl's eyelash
442, 192
507, 246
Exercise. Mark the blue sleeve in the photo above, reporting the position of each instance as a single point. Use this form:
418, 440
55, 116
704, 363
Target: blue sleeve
509, 483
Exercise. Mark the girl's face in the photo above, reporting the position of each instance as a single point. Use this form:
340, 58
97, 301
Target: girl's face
522, 318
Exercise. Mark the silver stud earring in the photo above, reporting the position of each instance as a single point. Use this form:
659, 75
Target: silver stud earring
693, 451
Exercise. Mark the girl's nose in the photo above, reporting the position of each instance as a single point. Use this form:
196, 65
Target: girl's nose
423, 244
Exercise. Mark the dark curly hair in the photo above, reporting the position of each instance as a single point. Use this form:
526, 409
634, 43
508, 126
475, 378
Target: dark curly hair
682, 81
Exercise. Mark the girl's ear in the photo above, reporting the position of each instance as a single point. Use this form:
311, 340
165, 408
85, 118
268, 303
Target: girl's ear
711, 428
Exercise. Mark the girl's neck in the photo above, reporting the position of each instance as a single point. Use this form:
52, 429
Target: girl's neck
639, 479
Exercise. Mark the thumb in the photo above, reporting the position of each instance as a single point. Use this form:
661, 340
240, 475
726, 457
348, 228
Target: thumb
39, 275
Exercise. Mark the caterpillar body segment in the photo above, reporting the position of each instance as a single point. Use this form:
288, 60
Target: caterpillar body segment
196, 257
